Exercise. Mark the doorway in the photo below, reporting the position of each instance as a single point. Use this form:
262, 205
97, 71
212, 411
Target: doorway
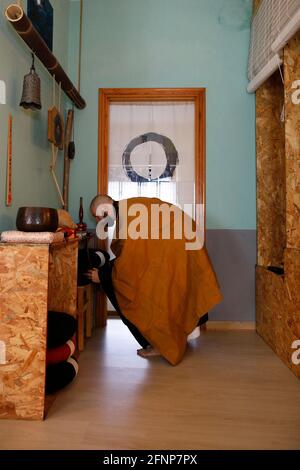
152, 144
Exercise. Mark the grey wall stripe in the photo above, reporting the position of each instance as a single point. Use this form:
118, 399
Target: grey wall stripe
233, 254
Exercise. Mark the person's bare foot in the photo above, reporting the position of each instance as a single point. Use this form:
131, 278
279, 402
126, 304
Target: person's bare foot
148, 352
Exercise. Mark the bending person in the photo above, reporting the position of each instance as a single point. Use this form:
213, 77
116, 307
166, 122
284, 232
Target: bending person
160, 284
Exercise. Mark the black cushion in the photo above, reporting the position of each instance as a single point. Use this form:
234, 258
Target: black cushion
60, 375
61, 328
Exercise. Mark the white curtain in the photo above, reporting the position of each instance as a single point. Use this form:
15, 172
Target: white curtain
172, 120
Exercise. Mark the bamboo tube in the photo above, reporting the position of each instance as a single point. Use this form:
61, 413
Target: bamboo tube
21, 23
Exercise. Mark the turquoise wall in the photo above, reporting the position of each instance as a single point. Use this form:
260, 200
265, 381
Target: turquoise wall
32, 184
172, 43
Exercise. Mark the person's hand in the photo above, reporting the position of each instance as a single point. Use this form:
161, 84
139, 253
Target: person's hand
93, 275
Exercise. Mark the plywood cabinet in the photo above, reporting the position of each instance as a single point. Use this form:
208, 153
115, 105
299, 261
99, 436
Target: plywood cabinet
33, 279
278, 209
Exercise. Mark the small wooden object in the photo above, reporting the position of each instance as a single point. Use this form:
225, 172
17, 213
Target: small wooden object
67, 161
81, 230
9, 162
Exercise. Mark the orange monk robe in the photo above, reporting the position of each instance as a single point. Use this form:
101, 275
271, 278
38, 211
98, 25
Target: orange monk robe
162, 288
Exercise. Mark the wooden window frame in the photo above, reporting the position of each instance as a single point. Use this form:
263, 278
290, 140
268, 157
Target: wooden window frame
195, 95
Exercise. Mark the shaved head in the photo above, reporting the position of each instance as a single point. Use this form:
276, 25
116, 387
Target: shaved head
102, 207
98, 200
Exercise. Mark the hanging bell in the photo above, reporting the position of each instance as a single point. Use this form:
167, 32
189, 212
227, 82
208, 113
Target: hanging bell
31, 96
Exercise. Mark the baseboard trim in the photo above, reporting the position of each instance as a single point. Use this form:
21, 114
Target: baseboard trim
230, 325
212, 325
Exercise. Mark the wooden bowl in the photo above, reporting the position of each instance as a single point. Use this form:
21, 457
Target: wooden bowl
37, 219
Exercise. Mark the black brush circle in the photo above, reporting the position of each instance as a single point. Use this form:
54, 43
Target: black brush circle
169, 149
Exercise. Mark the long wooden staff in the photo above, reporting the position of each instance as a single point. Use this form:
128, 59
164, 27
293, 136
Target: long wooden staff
55, 148
68, 135
9, 163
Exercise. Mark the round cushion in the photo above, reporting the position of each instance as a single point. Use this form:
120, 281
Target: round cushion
61, 328
60, 375
60, 353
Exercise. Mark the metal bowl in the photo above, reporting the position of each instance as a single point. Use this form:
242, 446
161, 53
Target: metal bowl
37, 219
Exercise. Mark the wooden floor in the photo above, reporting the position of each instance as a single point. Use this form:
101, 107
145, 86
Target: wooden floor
230, 392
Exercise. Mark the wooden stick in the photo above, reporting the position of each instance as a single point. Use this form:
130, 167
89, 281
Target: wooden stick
69, 127
57, 186
53, 89
59, 96
52, 169
55, 157
9, 163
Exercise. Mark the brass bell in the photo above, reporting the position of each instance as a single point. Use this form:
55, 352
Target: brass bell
31, 96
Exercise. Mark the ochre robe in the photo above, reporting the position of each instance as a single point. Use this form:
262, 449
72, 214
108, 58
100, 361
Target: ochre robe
162, 288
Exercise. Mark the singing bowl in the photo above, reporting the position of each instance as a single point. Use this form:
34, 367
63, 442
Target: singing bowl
37, 219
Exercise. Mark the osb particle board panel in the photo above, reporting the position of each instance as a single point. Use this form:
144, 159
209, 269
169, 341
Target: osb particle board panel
63, 277
292, 73
277, 308
23, 316
292, 281
270, 155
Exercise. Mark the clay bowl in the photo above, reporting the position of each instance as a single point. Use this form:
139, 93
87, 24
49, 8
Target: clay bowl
37, 219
